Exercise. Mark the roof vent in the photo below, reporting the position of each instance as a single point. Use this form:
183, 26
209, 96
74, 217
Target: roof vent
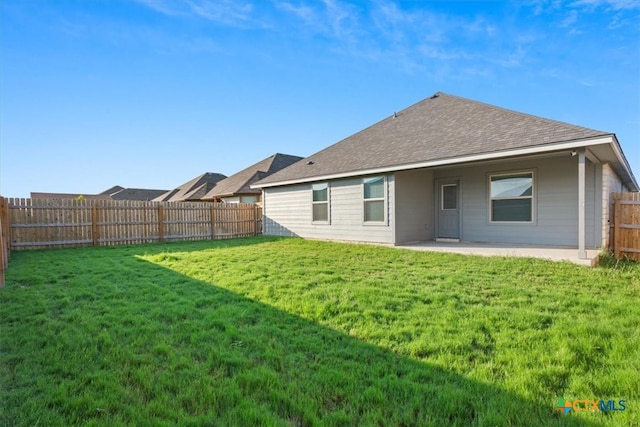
395, 114
435, 95
310, 162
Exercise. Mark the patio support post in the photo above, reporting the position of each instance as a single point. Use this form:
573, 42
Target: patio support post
582, 253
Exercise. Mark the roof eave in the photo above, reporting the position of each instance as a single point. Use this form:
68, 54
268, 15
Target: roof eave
564, 145
632, 183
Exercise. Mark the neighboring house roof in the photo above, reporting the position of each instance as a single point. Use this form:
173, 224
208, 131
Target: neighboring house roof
114, 193
442, 129
35, 195
137, 194
112, 190
240, 183
192, 190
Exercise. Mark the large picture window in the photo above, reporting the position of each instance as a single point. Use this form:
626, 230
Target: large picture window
511, 197
320, 202
374, 199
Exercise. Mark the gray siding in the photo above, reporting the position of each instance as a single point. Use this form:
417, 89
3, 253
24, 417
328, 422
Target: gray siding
414, 206
411, 206
556, 203
287, 212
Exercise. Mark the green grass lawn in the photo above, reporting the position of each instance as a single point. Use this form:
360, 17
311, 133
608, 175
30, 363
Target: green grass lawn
287, 332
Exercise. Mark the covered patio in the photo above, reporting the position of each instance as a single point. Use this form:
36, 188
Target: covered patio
551, 253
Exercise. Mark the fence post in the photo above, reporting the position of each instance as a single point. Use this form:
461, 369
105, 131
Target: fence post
161, 223
255, 220
5, 238
617, 217
213, 220
94, 223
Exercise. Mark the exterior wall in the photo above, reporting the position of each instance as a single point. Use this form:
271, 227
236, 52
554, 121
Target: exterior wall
412, 211
555, 203
414, 205
610, 184
287, 212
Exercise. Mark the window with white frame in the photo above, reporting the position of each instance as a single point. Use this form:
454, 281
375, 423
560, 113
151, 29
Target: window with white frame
511, 197
374, 199
320, 202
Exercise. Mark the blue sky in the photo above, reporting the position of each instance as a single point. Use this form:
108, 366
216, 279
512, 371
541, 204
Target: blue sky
151, 93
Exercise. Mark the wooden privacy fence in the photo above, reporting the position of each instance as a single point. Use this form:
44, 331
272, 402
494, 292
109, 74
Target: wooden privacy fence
5, 241
626, 225
45, 223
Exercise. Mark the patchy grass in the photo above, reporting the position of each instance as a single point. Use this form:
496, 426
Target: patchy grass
267, 331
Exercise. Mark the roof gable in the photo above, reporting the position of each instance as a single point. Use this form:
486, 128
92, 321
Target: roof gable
440, 127
197, 185
240, 183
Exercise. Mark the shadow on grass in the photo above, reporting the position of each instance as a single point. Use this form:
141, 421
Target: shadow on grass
172, 349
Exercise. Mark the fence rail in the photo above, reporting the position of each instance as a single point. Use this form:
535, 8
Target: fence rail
45, 223
626, 225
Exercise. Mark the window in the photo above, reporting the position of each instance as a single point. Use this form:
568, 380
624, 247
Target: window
374, 200
320, 202
511, 197
449, 197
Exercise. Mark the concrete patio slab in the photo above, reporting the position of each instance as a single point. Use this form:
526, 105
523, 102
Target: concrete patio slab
551, 253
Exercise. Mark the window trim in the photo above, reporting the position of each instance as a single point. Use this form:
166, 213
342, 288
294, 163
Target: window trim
533, 197
327, 202
383, 199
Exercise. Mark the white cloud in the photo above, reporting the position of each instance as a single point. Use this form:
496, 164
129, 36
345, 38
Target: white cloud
611, 4
224, 11
332, 18
570, 19
227, 12
342, 18
443, 53
303, 12
166, 7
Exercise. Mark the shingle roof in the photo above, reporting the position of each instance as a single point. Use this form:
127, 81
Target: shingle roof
239, 183
440, 127
137, 194
113, 193
66, 196
187, 191
112, 190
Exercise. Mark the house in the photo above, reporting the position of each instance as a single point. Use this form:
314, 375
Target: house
237, 187
454, 169
192, 190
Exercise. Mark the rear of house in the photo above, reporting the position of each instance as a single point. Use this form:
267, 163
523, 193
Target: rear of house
453, 169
